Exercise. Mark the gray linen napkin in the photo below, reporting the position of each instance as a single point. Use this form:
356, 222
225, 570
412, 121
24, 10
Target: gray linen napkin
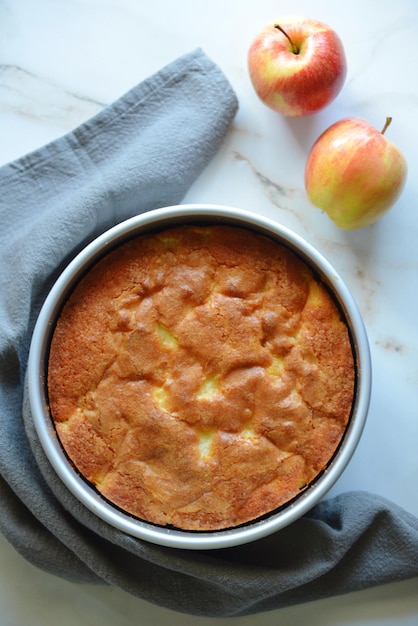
142, 152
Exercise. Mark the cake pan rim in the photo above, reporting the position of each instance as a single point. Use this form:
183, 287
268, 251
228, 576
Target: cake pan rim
161, 218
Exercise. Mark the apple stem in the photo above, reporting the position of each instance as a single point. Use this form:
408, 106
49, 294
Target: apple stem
387, 123
295, 49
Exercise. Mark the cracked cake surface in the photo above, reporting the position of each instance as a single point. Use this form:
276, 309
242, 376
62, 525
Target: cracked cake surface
200, 376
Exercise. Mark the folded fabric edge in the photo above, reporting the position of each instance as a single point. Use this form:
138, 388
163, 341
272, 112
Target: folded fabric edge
197, 59
17, 521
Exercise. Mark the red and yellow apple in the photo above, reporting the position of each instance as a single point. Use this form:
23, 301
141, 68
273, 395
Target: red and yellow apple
354, 173
297, 65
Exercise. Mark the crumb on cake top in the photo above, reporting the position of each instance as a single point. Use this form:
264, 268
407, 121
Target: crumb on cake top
200, 377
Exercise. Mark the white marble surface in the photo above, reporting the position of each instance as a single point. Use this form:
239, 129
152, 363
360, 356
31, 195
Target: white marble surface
61, 61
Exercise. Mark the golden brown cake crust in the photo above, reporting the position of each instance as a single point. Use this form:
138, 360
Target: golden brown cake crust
200, 377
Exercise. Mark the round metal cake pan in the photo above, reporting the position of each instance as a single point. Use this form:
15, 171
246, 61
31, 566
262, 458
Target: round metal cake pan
38, 361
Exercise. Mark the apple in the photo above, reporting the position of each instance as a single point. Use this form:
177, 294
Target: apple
297, 65
354, 173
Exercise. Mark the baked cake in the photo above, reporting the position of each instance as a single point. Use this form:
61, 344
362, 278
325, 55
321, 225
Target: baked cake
200, 377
